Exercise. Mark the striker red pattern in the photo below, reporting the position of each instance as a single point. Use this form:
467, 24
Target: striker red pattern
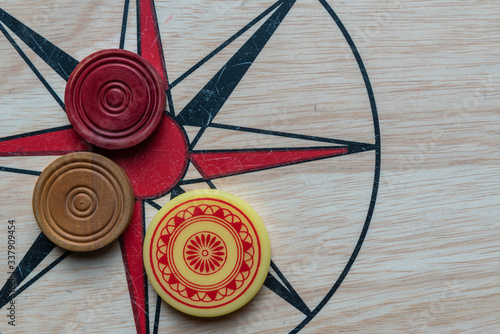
205, 253
205, 262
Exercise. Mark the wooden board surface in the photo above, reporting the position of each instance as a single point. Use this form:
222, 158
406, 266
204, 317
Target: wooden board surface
429, 262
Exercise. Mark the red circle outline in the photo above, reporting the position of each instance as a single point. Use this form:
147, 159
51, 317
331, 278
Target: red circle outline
258, 260
189, 284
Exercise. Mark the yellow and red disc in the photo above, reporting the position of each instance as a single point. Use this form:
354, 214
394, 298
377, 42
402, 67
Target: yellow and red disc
207, 253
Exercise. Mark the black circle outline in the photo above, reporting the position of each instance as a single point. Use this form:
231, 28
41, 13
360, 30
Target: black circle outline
377, 171
376, 177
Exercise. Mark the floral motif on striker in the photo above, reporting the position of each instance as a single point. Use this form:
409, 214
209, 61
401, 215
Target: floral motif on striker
244, 269
205, 253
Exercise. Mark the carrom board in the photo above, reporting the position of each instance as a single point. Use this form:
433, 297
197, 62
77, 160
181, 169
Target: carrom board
363, 133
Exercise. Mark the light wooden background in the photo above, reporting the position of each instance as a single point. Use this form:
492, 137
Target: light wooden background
431, 259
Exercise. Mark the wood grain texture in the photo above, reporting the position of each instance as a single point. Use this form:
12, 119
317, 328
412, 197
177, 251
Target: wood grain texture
430, 262
83, 201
